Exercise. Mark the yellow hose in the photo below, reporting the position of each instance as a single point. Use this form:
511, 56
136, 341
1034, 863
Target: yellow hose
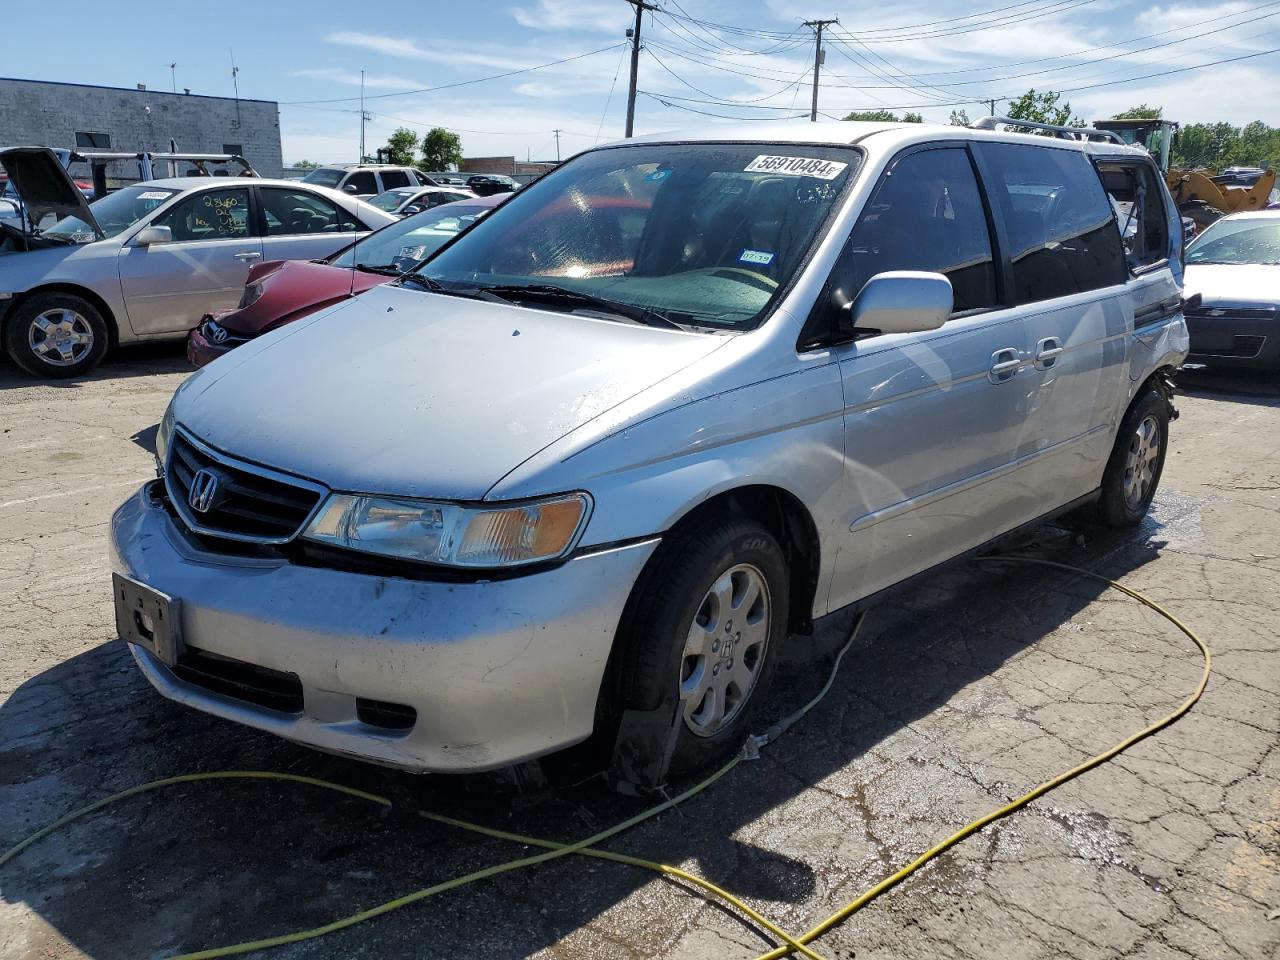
891, 881
585, 847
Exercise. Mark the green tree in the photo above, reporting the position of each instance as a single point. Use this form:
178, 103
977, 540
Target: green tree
306, 165
1043, 108
960, 118
1142, 111
885, 116
440, 150
401, 146
1204, 145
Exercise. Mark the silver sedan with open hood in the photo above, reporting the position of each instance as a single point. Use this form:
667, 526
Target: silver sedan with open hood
147, 261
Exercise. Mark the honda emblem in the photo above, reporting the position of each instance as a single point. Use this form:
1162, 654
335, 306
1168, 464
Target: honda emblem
204, 488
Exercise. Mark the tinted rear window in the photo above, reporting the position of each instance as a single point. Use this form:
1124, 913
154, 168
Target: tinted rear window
1061, 232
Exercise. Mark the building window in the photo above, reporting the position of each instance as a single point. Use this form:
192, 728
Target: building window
235, 149
99, 141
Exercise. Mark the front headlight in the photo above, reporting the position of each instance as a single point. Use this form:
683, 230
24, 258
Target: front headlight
164, 434
451, 534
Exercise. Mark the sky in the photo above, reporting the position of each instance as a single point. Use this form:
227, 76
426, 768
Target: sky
730, 58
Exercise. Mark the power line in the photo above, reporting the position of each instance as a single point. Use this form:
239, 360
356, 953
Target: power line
1106, 46
769, 96
1060, 6
721, 116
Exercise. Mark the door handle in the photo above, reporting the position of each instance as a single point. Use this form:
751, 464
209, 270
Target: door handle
1004, 364
247, 256
1047, 352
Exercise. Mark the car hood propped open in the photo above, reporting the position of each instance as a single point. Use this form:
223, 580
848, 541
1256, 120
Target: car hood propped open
416, 394
44, 186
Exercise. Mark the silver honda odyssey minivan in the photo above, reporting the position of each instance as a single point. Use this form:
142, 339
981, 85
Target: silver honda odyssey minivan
586, 471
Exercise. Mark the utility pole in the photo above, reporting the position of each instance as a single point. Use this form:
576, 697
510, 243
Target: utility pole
634, 33
818, 57
173, 75
363, 117
557, 131
992, 104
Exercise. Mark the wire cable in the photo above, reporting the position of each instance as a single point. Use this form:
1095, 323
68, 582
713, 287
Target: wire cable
586, 847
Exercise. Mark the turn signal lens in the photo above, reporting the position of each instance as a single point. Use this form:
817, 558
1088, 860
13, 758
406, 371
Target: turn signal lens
451, 534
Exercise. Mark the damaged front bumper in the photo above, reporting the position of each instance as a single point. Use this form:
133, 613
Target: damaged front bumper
486, 673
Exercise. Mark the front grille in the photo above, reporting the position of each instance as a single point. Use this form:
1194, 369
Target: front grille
1241, 348
1232, 313
249, 503
273, 689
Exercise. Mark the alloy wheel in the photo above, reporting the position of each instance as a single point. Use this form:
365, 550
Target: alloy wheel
724, 652
1140, 462
60, 337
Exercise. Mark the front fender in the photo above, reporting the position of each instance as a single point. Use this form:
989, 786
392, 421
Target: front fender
785, 432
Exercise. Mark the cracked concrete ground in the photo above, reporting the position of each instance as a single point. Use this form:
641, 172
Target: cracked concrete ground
957, 696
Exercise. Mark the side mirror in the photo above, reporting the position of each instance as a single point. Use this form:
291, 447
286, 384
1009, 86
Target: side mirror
410, 210
150, 235
899, 301
349, 188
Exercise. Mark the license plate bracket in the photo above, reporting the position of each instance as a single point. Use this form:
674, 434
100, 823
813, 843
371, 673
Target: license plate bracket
148, 618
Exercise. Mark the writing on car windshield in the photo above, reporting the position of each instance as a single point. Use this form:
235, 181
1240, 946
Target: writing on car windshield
700, 235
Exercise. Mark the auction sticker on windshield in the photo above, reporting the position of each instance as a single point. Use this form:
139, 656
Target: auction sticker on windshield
796, 166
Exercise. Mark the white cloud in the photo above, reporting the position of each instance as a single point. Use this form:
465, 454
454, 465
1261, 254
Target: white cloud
578, 15
372, 81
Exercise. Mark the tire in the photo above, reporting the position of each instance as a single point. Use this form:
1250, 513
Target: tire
1137, 460
729, 576
56, 335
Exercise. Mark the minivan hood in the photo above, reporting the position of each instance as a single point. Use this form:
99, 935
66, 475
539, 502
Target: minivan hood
402, 392
1231, 283
44, 185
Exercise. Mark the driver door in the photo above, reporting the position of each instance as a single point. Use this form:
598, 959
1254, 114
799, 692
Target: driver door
168, 287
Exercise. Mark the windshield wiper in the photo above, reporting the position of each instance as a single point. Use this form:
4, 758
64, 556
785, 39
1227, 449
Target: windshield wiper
423, 281
551, 293
386, 270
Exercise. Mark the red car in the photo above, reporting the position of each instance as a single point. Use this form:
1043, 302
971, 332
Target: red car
281, 291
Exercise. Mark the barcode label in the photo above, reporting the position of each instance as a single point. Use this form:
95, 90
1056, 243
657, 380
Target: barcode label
797, 167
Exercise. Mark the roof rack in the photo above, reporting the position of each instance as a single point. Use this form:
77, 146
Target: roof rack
1062, 133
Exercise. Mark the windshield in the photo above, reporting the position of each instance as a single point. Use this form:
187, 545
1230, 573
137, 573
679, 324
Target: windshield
115, 212
324, 178
1238, 242
701, 234
399, 246
392, 198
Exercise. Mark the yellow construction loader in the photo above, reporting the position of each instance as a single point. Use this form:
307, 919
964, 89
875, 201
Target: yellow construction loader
1202, 195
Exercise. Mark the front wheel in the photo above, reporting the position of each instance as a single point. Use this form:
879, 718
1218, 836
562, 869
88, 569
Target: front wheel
706, 627
1136, 463
56, 335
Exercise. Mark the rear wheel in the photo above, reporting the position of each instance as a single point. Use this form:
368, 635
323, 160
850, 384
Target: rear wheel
706, 627
1136, 463
56, 335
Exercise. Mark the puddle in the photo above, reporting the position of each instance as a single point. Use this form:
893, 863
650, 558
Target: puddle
1092, 837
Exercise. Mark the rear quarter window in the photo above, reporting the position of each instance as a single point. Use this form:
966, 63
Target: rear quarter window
1060, 230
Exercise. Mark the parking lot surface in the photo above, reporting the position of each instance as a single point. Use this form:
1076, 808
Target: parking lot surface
957, 696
